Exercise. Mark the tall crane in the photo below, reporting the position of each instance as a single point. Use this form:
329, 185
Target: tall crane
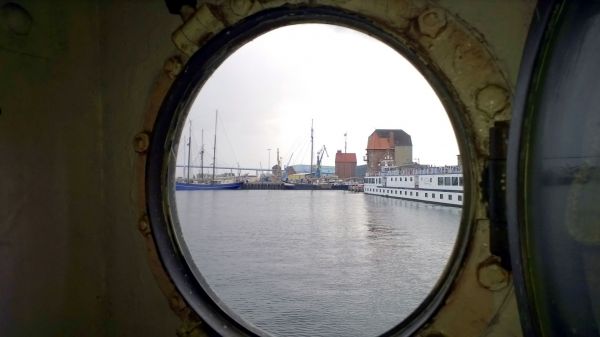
320, 154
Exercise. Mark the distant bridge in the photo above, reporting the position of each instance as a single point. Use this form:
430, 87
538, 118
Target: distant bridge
225, 168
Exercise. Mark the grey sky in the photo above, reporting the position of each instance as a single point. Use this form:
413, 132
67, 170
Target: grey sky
268, 91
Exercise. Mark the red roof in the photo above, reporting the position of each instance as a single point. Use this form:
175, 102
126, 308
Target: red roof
345, 157
386, 139
378, 143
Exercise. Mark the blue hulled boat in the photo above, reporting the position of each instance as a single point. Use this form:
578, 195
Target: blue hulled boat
199, 187
205, 186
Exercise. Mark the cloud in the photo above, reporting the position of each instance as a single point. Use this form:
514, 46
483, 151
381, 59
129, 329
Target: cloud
268, 91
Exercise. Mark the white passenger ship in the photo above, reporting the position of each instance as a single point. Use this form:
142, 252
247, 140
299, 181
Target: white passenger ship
440, 184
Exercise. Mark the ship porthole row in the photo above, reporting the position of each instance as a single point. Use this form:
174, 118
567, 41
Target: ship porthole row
168, 125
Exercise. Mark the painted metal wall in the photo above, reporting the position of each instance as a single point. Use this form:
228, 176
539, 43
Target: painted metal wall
72, 93
76, 80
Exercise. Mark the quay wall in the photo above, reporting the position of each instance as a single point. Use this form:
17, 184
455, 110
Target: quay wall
262, 186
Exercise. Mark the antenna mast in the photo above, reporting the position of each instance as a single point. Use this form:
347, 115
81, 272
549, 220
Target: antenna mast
345, 142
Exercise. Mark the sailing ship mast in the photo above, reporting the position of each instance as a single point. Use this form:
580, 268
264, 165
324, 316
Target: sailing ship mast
189, 144
215, 148
311, 146
202, 158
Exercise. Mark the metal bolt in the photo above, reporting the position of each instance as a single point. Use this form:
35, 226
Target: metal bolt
491, 275
492, 99
17, 19
173, 66
240, 7
176, 302
432, 22
187, 12
141, 142
144, 225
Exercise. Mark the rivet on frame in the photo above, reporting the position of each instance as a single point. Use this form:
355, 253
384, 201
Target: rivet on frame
432, 22
141, 142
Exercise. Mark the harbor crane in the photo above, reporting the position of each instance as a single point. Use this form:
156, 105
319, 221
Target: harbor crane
320, 154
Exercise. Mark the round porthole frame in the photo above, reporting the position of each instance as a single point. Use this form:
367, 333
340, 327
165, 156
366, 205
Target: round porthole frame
159, 185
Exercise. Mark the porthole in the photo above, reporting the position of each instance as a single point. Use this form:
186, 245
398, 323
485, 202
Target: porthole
175, 252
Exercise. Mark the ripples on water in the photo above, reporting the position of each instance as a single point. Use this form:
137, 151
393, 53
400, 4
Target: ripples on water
317, 263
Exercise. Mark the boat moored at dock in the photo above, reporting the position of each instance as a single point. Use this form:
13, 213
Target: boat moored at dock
433, 184
207, 186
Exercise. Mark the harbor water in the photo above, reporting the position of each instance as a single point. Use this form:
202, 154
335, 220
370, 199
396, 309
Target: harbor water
317, 263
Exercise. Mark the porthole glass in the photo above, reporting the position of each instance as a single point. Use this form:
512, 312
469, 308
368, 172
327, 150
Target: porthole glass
290, 241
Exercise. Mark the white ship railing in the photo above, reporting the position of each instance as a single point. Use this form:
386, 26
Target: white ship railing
451, 169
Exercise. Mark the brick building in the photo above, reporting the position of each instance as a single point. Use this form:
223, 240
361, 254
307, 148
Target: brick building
392, 142
345, 165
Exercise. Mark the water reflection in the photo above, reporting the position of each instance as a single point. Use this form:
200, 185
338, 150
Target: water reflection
317, 263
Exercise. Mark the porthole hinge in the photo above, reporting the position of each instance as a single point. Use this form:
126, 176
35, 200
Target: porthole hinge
494, 192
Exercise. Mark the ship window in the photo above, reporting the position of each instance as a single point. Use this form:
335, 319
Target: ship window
426, 195
460, 198
433, 195
417, 194
454, 181
441, 196
460, 181
440, 181
449, 196
245, 253
447, 181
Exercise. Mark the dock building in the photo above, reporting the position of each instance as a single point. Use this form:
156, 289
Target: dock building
394, 143
345, 164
